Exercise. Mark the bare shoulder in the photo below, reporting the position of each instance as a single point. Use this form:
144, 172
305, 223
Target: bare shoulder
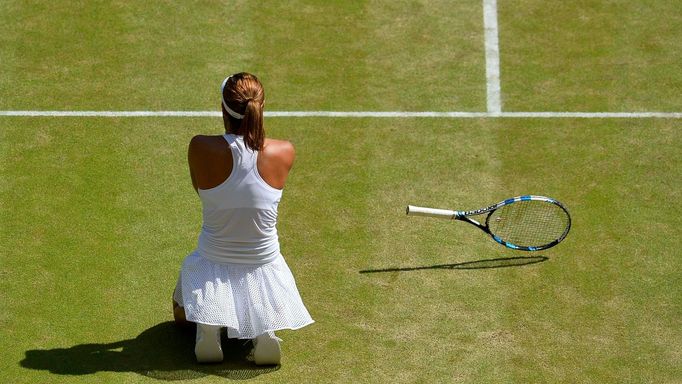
279, 150
278, 145
275, 161
201, 140
205, 144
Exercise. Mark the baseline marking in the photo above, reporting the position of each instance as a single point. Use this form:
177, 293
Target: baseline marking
346, 114
492, 57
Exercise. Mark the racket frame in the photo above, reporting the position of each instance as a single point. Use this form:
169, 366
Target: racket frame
465, 216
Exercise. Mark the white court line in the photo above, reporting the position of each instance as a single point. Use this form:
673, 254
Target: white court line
492, 57
385, 114
111, 113
595, 115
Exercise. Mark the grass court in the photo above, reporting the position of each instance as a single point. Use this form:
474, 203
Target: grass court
96, 213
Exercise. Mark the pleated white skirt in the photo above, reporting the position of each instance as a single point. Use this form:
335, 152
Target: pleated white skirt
248, 300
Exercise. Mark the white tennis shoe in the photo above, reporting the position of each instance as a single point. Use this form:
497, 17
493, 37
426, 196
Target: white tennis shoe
207, 348
266, 349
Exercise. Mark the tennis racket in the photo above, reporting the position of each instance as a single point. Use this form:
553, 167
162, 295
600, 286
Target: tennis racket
526, 223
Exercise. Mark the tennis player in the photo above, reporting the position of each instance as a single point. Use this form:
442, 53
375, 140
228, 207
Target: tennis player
237, 278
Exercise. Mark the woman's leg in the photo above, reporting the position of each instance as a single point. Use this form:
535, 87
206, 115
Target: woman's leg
179, 314
178, 310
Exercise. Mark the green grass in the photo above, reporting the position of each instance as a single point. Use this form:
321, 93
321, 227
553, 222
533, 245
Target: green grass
100, 214
126, 55
96, 214
590, 55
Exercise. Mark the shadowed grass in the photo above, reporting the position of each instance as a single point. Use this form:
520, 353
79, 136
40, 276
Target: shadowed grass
163, 352
504, 262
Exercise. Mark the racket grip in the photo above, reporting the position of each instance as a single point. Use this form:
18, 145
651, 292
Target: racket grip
431, 212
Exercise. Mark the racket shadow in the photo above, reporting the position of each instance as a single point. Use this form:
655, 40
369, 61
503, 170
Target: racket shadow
503, 262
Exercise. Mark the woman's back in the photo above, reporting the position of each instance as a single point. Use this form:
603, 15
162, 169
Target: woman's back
239, 204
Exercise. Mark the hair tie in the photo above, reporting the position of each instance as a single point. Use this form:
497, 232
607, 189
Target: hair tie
222, 96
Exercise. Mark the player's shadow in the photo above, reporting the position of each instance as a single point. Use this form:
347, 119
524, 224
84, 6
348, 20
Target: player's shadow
504, 262
164, 352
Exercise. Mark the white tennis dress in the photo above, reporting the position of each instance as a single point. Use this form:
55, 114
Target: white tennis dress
237, 277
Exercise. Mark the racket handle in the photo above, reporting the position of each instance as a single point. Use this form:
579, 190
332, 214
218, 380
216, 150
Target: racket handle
432, 212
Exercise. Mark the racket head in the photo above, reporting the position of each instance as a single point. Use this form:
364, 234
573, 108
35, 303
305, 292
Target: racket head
529, 223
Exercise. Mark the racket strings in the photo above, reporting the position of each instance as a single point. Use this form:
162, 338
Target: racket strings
529, 223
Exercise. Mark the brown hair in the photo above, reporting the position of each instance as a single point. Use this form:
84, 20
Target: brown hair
244, 94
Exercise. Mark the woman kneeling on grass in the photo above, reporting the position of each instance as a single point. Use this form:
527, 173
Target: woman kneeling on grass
237, 277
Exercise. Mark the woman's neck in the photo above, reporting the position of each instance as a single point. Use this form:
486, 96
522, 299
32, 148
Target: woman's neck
230, 128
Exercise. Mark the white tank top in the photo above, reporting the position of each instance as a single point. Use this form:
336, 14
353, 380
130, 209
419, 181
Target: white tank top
240, 215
